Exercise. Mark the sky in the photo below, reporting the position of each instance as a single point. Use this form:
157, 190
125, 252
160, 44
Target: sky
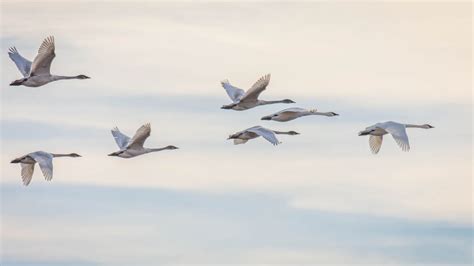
318, 198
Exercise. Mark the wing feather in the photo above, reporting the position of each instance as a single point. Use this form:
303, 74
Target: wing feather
45, 162
140, 136
42, 62
265, 133
235, 94
252, 94
121, 139
27, 170
399, 133
23, 64
375, 142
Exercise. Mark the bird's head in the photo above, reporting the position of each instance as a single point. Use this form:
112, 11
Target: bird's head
171, 147
268, 117
293, 133
287, 101
365, 132
114, 153
82, 77
18, 160
427, 126
234, 136
332, 114
74, 155
18, 82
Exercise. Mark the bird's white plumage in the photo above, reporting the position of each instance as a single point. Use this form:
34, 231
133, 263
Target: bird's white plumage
240, 141
27, 170
294, 109
23, 64
257, 88
42, 62
399, 133
375, 142
121, 139
235, 94
45, 162
265, 133
139, 138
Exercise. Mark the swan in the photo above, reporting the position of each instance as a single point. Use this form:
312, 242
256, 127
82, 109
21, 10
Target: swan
134, 147
397, 130
245, 100
257, 131
45, 161
295, 112
37, 73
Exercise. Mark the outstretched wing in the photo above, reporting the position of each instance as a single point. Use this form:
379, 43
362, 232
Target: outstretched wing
252, 94
42, 63
265, 133
240, 141
23, 64
121, 139
45, 162
27, 172
140, 136
399, 133
235, 94
375, 142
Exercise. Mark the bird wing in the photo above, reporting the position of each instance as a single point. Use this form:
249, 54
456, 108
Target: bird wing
257, 88
375, 142
121, 139
140, 136
240, 141
235, 94
42, 62
23, 64
294, 110
399, 133
266, 133
27, 172
45, 162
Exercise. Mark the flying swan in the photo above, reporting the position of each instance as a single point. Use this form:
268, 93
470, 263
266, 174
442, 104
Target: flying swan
258, 131
245, 100
295, 112
38, 73
397, 130
45, 161
134, 147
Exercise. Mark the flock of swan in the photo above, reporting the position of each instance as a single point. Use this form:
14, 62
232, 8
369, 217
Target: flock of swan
37, 73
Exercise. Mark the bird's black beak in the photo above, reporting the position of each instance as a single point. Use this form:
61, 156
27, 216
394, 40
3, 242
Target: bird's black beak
335, 114
15, 161
15, 83
363, 133
267, 118
112, 154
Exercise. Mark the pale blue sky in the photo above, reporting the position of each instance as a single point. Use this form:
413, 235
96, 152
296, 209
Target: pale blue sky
318, 198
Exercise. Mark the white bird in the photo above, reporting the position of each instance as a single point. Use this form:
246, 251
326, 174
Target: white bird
45, 161
295, 112
133, 147
245, 100
257, 131
397, 130
38, 73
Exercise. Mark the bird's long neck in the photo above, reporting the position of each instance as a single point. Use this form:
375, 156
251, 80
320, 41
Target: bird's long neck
416, 126
319, 113
155, 149
282, 132
262, 102
55, 77
61, 155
